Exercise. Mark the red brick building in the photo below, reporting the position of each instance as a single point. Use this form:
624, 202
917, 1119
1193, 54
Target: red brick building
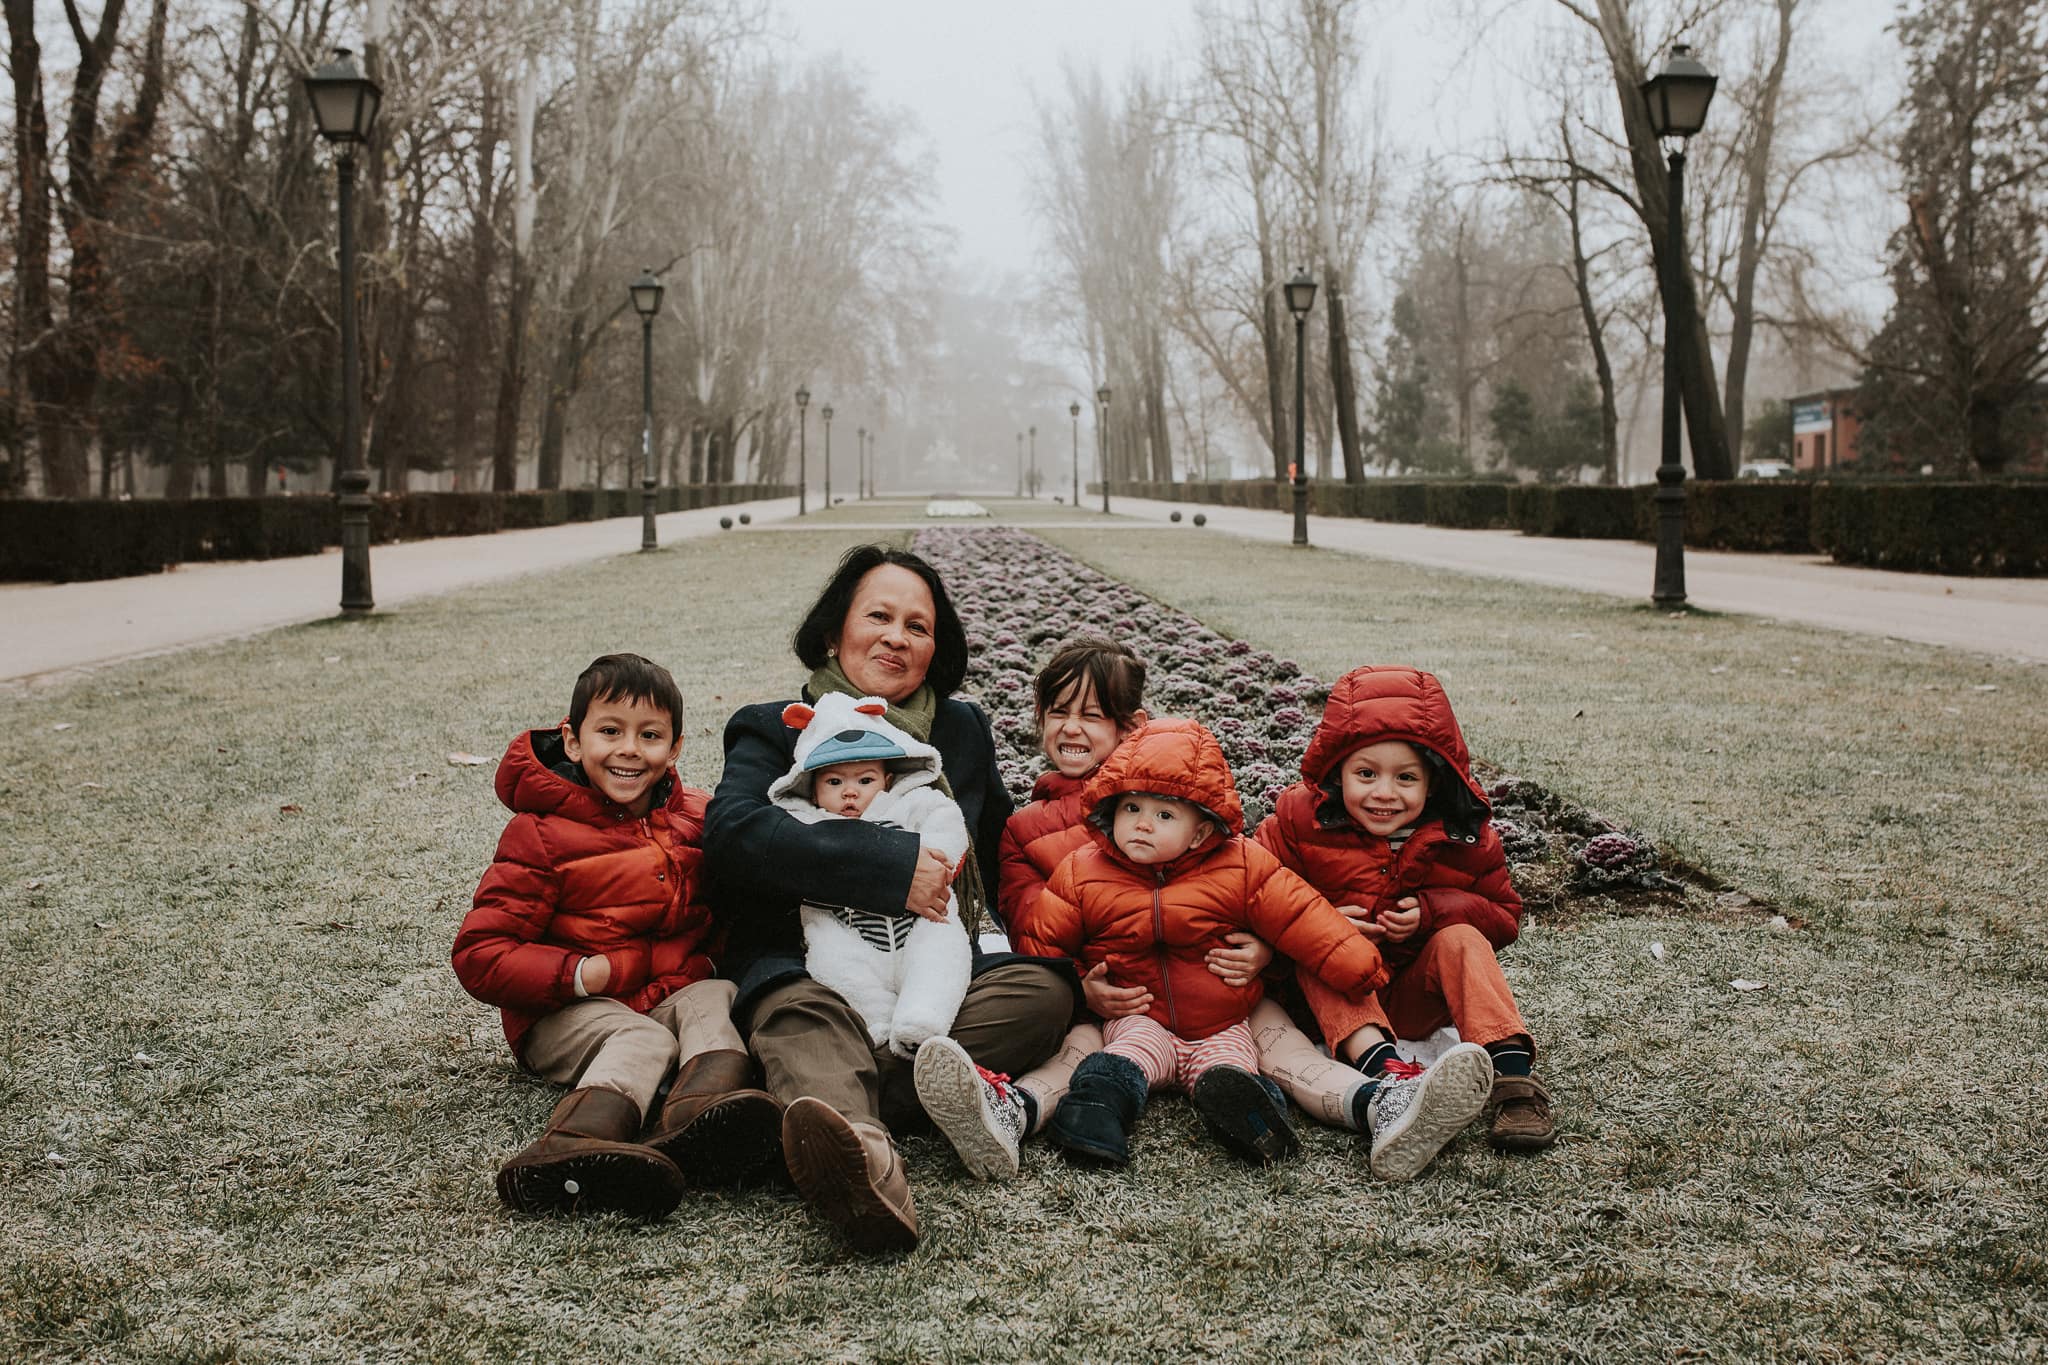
1824, 430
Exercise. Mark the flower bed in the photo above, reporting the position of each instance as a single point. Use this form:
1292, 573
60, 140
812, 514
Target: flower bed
1020, 597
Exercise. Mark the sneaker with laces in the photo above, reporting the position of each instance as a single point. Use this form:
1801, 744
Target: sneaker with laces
978, 1110
1412, 1118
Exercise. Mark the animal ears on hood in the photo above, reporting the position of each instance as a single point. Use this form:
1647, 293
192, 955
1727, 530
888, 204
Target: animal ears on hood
866, 708
796, 715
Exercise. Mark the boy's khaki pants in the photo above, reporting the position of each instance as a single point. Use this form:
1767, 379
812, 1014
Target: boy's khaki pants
600, 1042
1455, 980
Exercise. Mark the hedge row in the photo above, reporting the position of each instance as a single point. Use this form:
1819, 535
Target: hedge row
72, 540
1961, 528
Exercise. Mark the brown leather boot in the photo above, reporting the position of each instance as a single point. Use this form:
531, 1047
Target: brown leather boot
586, 1161
850, 1173
715, 1127
1519, 1115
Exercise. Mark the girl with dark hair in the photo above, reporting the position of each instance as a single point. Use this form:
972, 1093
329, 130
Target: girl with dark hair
883, 627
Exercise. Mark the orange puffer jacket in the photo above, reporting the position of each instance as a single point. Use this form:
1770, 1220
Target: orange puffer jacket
1452, 862
1036, 840
575, 876
1154, 925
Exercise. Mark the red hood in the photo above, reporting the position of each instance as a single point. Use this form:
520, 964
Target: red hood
1170, 758
1371, 704
529, 785
1053, 785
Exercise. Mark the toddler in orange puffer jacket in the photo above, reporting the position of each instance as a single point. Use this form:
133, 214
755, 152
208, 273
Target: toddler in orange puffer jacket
1166, 878
587, 933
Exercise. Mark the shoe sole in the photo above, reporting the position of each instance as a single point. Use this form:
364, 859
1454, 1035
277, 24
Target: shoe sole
952, 1095
734, 1141
1523, 1142
830, 1168
1242, 1116
1454, 1092
1088, 1152
640, 1185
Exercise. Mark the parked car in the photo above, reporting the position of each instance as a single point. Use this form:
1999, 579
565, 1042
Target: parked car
1766, 469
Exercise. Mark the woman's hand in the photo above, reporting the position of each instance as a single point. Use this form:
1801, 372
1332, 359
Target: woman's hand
1112, 1002
1398, 925
1240, 963
1361, 919
929, 884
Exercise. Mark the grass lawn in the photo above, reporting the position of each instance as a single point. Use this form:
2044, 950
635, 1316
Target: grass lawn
250, 1115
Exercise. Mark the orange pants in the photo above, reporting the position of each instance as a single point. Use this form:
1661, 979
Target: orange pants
1455, 980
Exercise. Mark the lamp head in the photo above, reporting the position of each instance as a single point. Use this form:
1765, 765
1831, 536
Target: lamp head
646, 292
803, 397
1678, 95
1301, 294
344, 99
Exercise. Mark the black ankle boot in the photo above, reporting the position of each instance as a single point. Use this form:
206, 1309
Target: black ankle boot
1247, 1114
1096, 1117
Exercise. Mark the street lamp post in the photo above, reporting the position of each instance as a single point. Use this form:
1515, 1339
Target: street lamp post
826, 413
1032, 482
1301, 296
1677, 98
803, 423
1074, 411
345, 106
1102, 442
1020, 464
860, 466
646, 293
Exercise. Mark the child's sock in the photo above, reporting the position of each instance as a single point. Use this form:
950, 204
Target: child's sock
1511, 1057
1029, 1102
1373, 1062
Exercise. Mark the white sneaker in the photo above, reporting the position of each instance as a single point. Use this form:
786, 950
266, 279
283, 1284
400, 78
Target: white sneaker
1411, 1120
977, 1110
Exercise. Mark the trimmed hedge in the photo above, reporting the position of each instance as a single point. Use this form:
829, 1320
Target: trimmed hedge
1958, 528
75, 540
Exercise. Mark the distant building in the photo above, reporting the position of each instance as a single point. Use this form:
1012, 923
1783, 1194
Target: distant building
1825, 426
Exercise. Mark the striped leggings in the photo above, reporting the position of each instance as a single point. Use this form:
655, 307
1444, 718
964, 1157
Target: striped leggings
1169, 1061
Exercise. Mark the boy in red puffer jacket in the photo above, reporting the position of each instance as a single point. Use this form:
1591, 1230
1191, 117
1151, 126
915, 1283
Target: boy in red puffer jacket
587, 933
1164, 880
1389, 824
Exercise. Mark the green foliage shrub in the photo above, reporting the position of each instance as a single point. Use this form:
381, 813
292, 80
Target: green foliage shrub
1958, 528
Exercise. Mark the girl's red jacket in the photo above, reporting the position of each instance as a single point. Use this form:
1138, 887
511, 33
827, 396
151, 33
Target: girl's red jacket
575, 876
1459, 876
1036, 840
1154, 925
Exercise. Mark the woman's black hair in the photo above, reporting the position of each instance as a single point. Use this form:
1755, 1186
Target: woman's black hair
827, 616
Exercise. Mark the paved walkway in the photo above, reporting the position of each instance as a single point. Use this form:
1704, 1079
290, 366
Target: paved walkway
2002, 616
48, 630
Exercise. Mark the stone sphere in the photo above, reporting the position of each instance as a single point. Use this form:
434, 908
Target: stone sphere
746, 518
725, 523
1173, 516
1201, 518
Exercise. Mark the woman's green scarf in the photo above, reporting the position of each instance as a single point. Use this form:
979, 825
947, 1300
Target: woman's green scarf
914, 715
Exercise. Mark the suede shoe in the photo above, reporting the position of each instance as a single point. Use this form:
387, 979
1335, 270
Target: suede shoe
1412, 1119
850, 1174
1102, 1105
1244, 1115
586, 1161
716, 1127
1520, 1119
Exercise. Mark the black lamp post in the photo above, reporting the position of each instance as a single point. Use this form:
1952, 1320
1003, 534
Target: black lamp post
826, 413
860, 466
803, 421
1074, 411
1020, 464
646, 292
345, 106
1102, 442
1032, 483
1301, 296
1677, 98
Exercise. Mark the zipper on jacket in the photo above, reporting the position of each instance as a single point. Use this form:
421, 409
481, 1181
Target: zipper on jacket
1165, 966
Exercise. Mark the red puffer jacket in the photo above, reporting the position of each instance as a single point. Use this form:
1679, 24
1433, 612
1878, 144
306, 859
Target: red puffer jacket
575, 876
1154, 925
1452, 862
1036, 840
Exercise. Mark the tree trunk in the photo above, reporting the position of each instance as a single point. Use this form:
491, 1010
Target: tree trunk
1596, 339
1343, 383
1273, 342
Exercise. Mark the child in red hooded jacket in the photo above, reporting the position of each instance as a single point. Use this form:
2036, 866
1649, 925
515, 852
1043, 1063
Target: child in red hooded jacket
587, 933
1390, 825
1164, 880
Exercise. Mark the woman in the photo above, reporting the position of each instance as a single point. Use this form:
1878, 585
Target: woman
883, 627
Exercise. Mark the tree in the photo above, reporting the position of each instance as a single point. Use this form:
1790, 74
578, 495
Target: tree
1953, 375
